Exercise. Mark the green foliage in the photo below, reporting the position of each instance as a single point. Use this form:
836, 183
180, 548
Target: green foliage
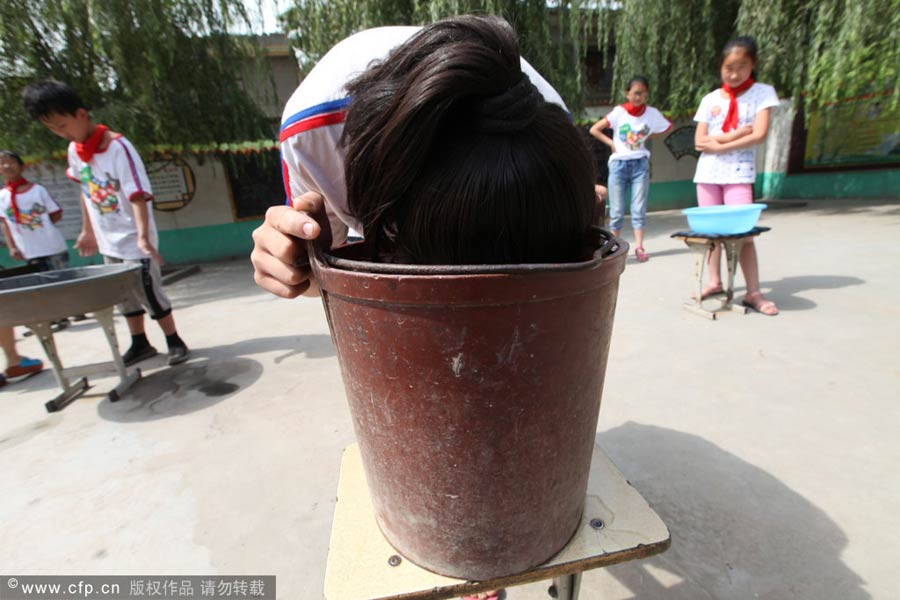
675, 44
824, 50
552, 35
161, 71
827, 50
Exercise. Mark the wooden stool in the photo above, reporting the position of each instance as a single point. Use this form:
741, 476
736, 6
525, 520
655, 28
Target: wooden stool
617, 526
701, 244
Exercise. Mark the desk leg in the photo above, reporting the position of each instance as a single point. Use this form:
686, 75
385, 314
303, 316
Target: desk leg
566, 587
105, 318
45, 334
70, 392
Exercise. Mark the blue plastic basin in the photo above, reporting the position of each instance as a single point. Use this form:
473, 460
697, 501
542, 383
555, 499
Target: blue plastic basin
723, 219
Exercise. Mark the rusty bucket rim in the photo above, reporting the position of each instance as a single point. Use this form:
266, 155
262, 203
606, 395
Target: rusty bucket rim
609, 248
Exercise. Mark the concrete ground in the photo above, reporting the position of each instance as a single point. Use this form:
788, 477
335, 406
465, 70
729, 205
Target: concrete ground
769, 446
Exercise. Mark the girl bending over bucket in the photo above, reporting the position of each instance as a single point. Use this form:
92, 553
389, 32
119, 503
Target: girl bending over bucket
439, 145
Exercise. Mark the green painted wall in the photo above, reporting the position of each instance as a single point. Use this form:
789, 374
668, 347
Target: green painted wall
860, 184
850, 184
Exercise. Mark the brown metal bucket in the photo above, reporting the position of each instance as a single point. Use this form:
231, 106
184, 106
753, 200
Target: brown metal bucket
474, 392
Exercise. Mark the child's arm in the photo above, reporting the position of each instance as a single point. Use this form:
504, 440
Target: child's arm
724, 138
86, 243
53, 208
597, 131
142, 220
757, 136
14, 251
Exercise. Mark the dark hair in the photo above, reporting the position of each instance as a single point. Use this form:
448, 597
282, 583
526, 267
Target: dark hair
454, 157
745, 43
637, 79
43, 98
13, 155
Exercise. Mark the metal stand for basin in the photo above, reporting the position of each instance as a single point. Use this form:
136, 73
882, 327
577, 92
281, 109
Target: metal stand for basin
701, 244
72, 391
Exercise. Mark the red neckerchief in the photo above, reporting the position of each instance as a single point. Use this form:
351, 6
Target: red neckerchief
634, 111
731, 117
87, 149
11, 186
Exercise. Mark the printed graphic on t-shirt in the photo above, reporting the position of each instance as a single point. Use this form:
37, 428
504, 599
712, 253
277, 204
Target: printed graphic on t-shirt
32, 219
634, 139
102, 193
715, 111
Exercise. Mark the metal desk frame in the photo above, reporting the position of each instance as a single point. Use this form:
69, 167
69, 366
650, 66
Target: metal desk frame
71, 391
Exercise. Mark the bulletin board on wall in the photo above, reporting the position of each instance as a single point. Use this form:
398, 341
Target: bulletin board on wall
861, 132
255, 182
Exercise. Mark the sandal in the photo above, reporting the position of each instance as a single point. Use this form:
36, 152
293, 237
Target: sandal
640, 255
26, 366
709, 291
755, 301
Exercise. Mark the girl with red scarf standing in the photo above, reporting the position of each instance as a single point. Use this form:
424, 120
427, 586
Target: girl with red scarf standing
731, 122
633, 123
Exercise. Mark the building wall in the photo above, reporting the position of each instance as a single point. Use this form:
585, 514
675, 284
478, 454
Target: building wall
207, 229
204, 230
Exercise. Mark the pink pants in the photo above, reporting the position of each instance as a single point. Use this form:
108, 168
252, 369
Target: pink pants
711, 194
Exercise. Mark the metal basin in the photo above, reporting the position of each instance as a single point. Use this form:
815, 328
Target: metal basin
53, 295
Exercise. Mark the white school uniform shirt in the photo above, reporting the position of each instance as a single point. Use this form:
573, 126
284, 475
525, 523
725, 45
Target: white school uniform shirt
35, 236
630, 133
108, 182
738, 166
313, 120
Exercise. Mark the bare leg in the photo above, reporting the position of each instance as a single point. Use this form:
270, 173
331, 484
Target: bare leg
714, 270
750, 268
167, 324
714, 266
8, 342
135, 324
639, 237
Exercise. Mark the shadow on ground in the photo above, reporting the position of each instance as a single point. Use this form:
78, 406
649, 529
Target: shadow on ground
212, 375
737, 531
785, 291
311, 346
182, 390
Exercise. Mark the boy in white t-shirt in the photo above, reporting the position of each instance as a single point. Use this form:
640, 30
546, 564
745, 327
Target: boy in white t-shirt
27, 216
117, 219
18, 198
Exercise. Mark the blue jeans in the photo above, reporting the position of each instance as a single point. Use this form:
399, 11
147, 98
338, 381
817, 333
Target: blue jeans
622, 173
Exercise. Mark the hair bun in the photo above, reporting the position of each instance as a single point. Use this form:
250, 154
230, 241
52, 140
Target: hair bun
511, 111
